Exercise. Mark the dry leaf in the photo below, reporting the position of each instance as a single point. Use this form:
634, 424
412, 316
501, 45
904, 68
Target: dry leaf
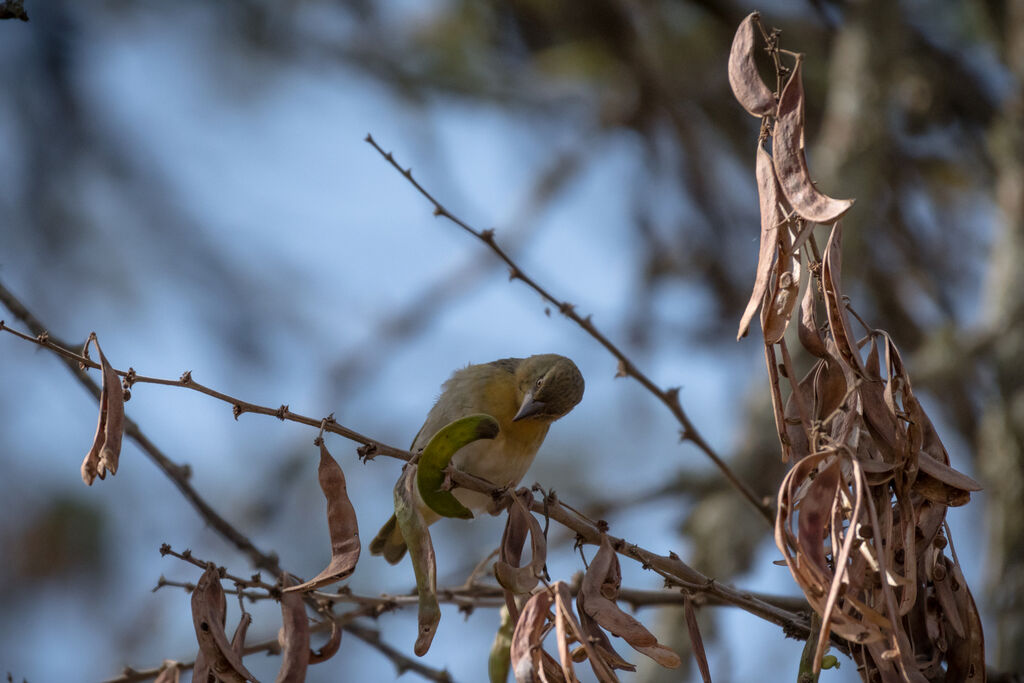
106, 444
341, 523
791, 162
747, 86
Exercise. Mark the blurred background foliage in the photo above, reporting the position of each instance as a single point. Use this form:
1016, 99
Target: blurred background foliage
189, 182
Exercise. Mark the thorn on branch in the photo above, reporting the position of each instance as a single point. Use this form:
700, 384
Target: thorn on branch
237, 410
282, 412
515, 274
566, 308
186, 377
367, 452
487, 236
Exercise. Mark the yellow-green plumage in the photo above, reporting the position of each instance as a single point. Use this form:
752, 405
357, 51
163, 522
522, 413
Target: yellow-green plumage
525, 395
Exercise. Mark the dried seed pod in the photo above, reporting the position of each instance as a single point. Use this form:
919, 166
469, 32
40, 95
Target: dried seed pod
106, 444
771, 219
527, 636
791, 162
599, 590
784, 294
815, 507
606, 655
330, 648
293, 637
747, 86
835, 305
520, 522
238, 640
341, 523
564, 630
807, 328
208, 606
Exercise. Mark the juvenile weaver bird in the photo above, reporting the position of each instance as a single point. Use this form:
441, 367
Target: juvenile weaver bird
524, 395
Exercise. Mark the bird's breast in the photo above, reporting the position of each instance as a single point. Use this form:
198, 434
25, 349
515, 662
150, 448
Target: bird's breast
503, 460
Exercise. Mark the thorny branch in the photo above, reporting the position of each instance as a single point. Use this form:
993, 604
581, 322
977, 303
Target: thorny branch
674, 570
585, 528
670, 397
179, 475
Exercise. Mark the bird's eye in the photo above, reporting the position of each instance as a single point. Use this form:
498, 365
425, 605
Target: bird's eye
539, 383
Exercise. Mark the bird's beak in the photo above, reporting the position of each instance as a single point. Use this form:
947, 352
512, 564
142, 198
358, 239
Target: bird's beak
529, 407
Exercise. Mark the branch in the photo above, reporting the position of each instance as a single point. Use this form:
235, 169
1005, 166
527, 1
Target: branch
76, 362
675, 571
179, 475
669, 397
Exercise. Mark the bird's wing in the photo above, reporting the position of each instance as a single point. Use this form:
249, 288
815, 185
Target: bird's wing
463, 394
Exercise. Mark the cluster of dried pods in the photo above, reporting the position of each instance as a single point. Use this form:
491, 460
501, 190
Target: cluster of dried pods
550, 608
861, 513
221, 660
519, 644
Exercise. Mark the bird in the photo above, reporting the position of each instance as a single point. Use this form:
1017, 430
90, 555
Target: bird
524, 395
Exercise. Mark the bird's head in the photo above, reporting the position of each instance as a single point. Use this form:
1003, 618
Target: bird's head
549, 386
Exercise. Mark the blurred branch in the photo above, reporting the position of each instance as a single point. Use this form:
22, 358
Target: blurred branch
272, 646
429, 300
13, 9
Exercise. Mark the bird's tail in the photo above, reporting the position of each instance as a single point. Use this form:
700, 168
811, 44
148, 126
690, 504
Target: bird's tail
389, 542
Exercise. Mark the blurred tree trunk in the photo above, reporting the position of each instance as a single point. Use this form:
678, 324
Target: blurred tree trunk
1001, 430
